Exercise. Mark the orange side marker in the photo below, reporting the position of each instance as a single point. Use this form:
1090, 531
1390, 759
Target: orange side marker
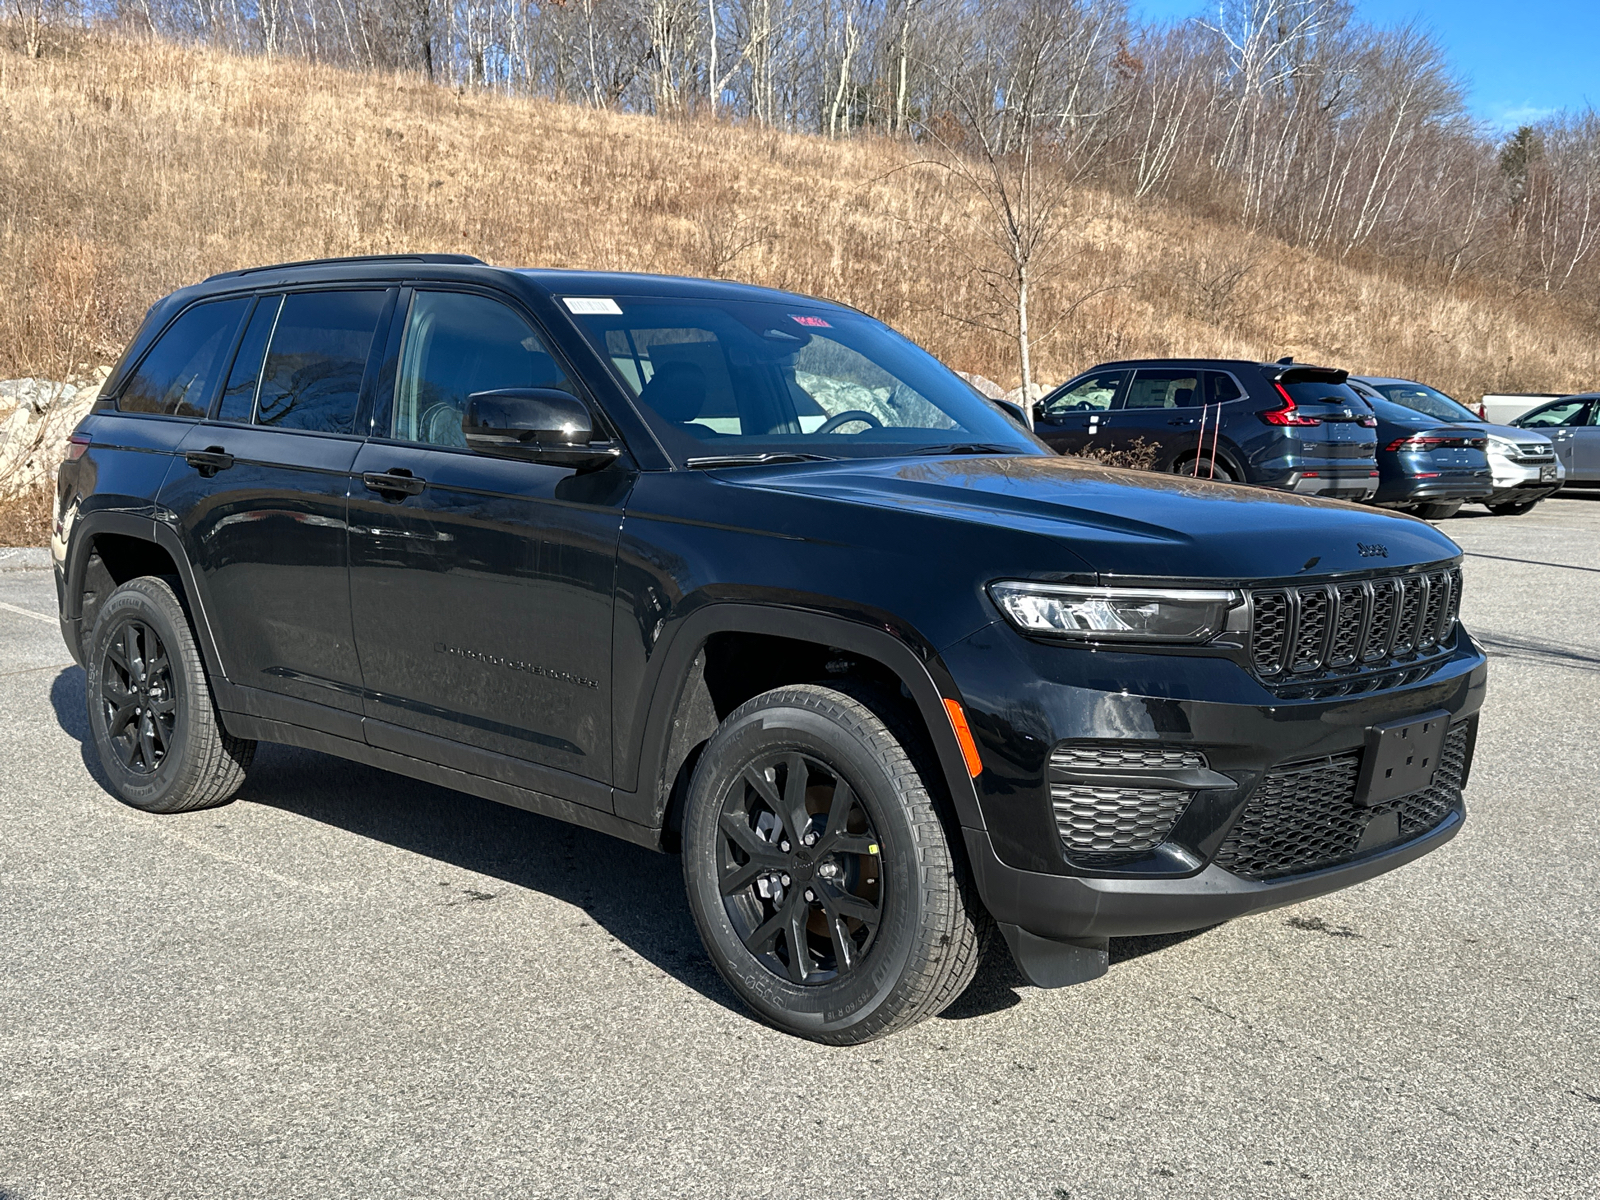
969, 748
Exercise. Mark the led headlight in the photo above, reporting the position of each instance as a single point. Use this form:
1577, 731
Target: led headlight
1116, 614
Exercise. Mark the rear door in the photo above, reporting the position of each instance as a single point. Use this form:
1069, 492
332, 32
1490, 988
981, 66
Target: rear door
482, 586
260, 492
1070, 418
1160, 409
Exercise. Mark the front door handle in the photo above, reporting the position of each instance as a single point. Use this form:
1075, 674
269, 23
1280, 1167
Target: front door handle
1184, 421
209, 461
394, 483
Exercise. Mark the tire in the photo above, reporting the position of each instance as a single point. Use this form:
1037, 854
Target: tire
1223, 473
911, 932
151, 715
1518, 508
1438, 511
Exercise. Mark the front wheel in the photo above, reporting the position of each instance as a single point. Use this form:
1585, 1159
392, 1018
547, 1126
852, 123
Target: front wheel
151, 716
819, 873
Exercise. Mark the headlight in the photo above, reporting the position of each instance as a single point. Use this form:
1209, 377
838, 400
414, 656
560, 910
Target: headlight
1116, 614
1503, 447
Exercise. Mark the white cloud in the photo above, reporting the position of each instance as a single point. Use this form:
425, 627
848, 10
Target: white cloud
1502, 118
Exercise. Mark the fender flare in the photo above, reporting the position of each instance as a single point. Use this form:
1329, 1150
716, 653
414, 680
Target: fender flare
144, 529
911, 659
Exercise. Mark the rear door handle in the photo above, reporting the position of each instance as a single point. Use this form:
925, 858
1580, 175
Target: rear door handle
209, 461
398, 482
1184, 421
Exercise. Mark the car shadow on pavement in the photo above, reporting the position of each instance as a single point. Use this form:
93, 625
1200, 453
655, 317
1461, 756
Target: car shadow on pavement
634, 894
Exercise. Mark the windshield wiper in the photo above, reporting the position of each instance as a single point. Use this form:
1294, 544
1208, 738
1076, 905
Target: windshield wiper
754, 460
968, 448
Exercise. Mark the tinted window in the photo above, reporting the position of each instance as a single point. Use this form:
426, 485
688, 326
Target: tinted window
1315, 391
1222, 387
1092, 393
175, 378
1426, 400
455, 345
1164, 389
753, 377
312, 376
1566, 412
239, 395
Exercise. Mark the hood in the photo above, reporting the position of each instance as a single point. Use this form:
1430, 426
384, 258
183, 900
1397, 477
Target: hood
1122, 522
1512, 433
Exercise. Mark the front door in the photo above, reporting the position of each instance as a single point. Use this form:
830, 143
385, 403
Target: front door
1071, 418
1562, 422
1586, 446
482, 587
259, 493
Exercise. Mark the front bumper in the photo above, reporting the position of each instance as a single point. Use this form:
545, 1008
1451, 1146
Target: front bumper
1028, 698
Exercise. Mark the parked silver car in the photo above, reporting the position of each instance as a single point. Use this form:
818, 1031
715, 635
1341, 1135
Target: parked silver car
1525, 466
1573, 424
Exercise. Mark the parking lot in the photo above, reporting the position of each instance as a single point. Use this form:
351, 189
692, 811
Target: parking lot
351, 984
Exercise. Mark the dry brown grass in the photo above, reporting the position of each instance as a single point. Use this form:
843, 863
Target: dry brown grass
25, 517
129, 169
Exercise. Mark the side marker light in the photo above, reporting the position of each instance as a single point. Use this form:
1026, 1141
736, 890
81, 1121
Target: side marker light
969, 748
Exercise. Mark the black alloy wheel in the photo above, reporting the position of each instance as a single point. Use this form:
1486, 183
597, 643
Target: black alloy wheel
800, 869
822, 874
160, 738
138, 700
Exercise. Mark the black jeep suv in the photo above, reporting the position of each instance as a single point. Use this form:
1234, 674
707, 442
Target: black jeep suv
749, 576
1283, 425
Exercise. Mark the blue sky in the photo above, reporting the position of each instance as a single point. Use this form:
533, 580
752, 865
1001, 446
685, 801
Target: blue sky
1520, 60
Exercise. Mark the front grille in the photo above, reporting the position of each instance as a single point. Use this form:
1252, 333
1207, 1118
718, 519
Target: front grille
1103, 826
1304, 816
1535, 452
1308, 632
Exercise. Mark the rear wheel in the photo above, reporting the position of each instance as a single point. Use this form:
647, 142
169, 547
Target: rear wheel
819, 873
160, 739
1222, 472
1437, 511
1515, 509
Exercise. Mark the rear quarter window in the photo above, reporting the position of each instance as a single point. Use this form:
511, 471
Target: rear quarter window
1315, 392
175, 378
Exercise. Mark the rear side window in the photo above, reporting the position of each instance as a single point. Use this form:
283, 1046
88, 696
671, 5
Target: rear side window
311, 378
239, 394
1165, 388
1222, 387
176, 376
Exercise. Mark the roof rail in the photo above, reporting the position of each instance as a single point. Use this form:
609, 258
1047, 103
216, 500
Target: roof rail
458, 259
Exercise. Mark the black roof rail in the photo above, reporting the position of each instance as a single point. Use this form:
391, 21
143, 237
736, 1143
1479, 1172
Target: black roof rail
458, 259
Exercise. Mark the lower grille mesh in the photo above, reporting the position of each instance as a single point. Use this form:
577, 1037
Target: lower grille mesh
1103, 826
1304, 817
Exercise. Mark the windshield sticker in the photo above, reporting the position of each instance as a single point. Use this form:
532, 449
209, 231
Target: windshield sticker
813, 322
587, 306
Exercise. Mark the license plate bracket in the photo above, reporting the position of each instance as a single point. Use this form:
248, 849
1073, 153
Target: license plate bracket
1401, 757
1547, 474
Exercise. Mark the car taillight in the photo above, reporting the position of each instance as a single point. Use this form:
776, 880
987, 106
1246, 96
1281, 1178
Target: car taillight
1368, 422
1436, 443
77, 445
1288, 414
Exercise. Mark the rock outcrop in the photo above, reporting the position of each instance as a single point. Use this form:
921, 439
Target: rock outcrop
36, 416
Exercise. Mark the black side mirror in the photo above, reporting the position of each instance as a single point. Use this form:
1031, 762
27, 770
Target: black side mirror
539, 424
1038, 411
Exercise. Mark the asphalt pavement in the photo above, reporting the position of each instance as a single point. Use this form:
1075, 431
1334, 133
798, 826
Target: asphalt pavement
349, 984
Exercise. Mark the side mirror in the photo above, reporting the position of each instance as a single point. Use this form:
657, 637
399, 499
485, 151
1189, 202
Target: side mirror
1038, 411
538, 424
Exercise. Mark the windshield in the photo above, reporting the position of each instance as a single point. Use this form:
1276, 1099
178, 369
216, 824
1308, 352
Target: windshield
731, 378
1430, 402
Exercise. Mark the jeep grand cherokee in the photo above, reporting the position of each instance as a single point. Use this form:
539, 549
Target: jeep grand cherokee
749, 576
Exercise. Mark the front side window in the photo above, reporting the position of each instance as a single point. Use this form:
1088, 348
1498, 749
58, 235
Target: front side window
456, 344
311, 378
1566, 412
1092, 393
1164, 389
741, 377
175, 378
